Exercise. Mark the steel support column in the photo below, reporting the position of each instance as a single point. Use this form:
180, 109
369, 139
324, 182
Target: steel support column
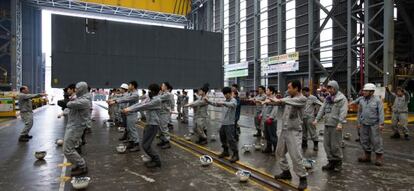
388, 59
349, 49
311, 33
237, 34
16, 44
366, 40
280, 45
256, 36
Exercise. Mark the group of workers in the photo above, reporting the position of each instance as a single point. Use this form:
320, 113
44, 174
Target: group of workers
298, 111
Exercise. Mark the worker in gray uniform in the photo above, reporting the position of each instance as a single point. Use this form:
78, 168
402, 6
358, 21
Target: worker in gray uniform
179, 105
291, 135
131, 98
227, 130
309, 131
79, 113
269, 122
200, 115
370, 124
118, 107
26, 111
184, 101
152, 106
399, 112
334, 110
259, 107
142, 98
167, 99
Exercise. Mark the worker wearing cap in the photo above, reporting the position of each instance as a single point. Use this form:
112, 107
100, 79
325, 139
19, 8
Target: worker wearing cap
370, 124
131, 98
400, 112
334, 110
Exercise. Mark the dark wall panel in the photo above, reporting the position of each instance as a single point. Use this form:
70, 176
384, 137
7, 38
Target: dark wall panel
120, 52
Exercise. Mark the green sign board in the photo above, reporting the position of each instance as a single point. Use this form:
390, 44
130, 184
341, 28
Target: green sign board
236, 73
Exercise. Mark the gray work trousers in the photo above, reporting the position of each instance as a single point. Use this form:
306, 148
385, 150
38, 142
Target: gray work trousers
371, 139
27, 118
70, 142
131, 128
332, 143
289, 142
399, 120
309, 130
150, 131
228, 138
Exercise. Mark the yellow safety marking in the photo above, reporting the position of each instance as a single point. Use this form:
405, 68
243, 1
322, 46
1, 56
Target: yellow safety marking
65, 164
64, 178
229, 170
221, 166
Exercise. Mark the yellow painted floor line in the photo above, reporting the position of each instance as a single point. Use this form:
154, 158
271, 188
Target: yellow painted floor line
206, 149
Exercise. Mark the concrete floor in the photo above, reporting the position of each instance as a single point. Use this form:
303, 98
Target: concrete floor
181, 169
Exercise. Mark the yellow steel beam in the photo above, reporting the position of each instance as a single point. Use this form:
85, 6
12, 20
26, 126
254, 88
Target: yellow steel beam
177, 7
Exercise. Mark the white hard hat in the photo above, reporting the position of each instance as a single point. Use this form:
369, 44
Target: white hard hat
124, 86
369, 87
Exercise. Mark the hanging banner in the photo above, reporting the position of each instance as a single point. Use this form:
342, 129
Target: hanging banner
281, 58
285, 67
236, 70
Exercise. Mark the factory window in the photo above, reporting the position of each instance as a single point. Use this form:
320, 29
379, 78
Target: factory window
291, 26
326, 36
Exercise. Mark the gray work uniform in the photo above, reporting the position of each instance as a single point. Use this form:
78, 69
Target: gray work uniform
227, 130
200, 115
79, 114
179, 104
26, 111
131, 98
334, 113
185, 109
152, 107
111, 108
269, 128
165, 114
259, 109
143, 99
309, 131
370, 116
400, 112
291, 134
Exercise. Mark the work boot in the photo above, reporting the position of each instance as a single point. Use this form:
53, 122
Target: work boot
235, 157
153, 164
30, 137
406, 137
258, 134
329, 166
379, 160
124, 137
303, 183
365, 158
203, 141
225, 153
304, 144
79, 171
23, 138
161, 143
285, 175
396, 135
337, 166
166, 145
135, 148
78, 149
88, 130
315, 145
268, 148
130, 145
